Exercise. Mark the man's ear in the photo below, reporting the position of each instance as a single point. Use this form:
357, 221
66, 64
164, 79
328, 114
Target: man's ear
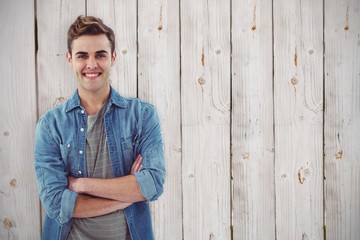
68, 57
113, 58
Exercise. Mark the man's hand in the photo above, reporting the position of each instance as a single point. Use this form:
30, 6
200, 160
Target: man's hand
74, 184
136, 167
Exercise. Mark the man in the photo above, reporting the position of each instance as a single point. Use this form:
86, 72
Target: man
98, 156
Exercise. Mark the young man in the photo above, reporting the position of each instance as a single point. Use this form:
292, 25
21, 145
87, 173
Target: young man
98, 156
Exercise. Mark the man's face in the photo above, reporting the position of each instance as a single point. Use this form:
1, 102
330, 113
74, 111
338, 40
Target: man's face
91, 60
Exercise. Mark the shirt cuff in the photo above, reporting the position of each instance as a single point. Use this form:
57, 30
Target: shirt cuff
67, 206
147, 185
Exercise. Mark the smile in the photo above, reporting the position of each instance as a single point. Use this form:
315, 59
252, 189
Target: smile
91, 75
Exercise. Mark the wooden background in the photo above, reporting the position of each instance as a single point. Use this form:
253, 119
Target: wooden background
259, 103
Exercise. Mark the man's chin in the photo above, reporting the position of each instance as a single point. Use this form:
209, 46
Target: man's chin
93, 89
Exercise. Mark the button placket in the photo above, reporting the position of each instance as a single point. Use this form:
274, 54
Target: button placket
81, 130
82, 136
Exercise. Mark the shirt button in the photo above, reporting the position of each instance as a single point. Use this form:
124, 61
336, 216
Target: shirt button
81, 129
68, 145
81, 152
79, 172
82, 111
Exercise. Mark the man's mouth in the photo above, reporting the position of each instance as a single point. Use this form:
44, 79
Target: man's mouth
91, 75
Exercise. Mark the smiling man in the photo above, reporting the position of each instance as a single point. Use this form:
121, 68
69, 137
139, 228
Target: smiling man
98, 156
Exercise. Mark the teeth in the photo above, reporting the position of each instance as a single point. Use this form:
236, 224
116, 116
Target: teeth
92, 74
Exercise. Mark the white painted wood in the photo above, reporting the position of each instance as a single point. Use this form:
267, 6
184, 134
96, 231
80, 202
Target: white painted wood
205, 105
342, 119
298, 112
121, 17
19, 202
159, 84
253, 198
56, 79
197, 134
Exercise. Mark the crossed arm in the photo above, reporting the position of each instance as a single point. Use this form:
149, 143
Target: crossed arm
102, 196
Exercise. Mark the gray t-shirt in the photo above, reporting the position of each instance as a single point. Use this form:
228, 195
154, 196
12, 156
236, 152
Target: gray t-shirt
110, 226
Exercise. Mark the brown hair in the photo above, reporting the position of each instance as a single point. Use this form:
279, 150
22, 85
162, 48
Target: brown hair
89, 25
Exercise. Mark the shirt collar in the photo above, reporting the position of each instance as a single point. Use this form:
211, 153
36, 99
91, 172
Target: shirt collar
115, 98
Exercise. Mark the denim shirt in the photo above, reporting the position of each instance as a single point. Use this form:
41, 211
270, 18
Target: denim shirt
132, 127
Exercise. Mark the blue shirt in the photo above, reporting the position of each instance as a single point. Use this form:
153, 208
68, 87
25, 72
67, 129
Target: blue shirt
132, 127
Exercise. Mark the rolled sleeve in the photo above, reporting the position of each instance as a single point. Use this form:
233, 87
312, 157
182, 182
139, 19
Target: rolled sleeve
147, 185
51, 175
67, 206
152, 176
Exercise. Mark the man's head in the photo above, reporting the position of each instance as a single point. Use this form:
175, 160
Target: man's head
91, 54
89, 25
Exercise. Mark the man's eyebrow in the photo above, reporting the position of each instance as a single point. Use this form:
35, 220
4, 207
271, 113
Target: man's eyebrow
101, 51
81, 53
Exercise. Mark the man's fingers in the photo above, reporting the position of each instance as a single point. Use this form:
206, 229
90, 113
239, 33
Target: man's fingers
133, 167
137, 164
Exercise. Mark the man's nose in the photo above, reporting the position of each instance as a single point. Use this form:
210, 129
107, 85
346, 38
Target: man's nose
91, 63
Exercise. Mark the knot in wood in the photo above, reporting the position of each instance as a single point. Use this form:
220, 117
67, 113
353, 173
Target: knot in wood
13, 183
201, 81
294, 80
8, 223
339, 154
303, 174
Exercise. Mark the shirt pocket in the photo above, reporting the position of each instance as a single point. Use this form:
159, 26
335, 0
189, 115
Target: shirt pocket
68, 155
129, 147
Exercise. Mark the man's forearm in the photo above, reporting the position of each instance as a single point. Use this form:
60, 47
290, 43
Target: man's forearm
89, 206
124, 189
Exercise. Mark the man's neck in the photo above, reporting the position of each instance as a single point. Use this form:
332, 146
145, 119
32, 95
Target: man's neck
93, 101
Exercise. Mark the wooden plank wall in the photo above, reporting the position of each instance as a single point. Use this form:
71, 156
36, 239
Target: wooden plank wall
205, 109
252, 121
298, 118
342, 119
19, 204
259, 103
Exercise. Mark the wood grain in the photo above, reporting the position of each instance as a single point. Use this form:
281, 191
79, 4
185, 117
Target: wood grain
19, 202
342, 119
253, 197
298, 118
205, 108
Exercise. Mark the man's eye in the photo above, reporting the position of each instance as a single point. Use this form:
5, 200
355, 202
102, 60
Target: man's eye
82, 56
100, 55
